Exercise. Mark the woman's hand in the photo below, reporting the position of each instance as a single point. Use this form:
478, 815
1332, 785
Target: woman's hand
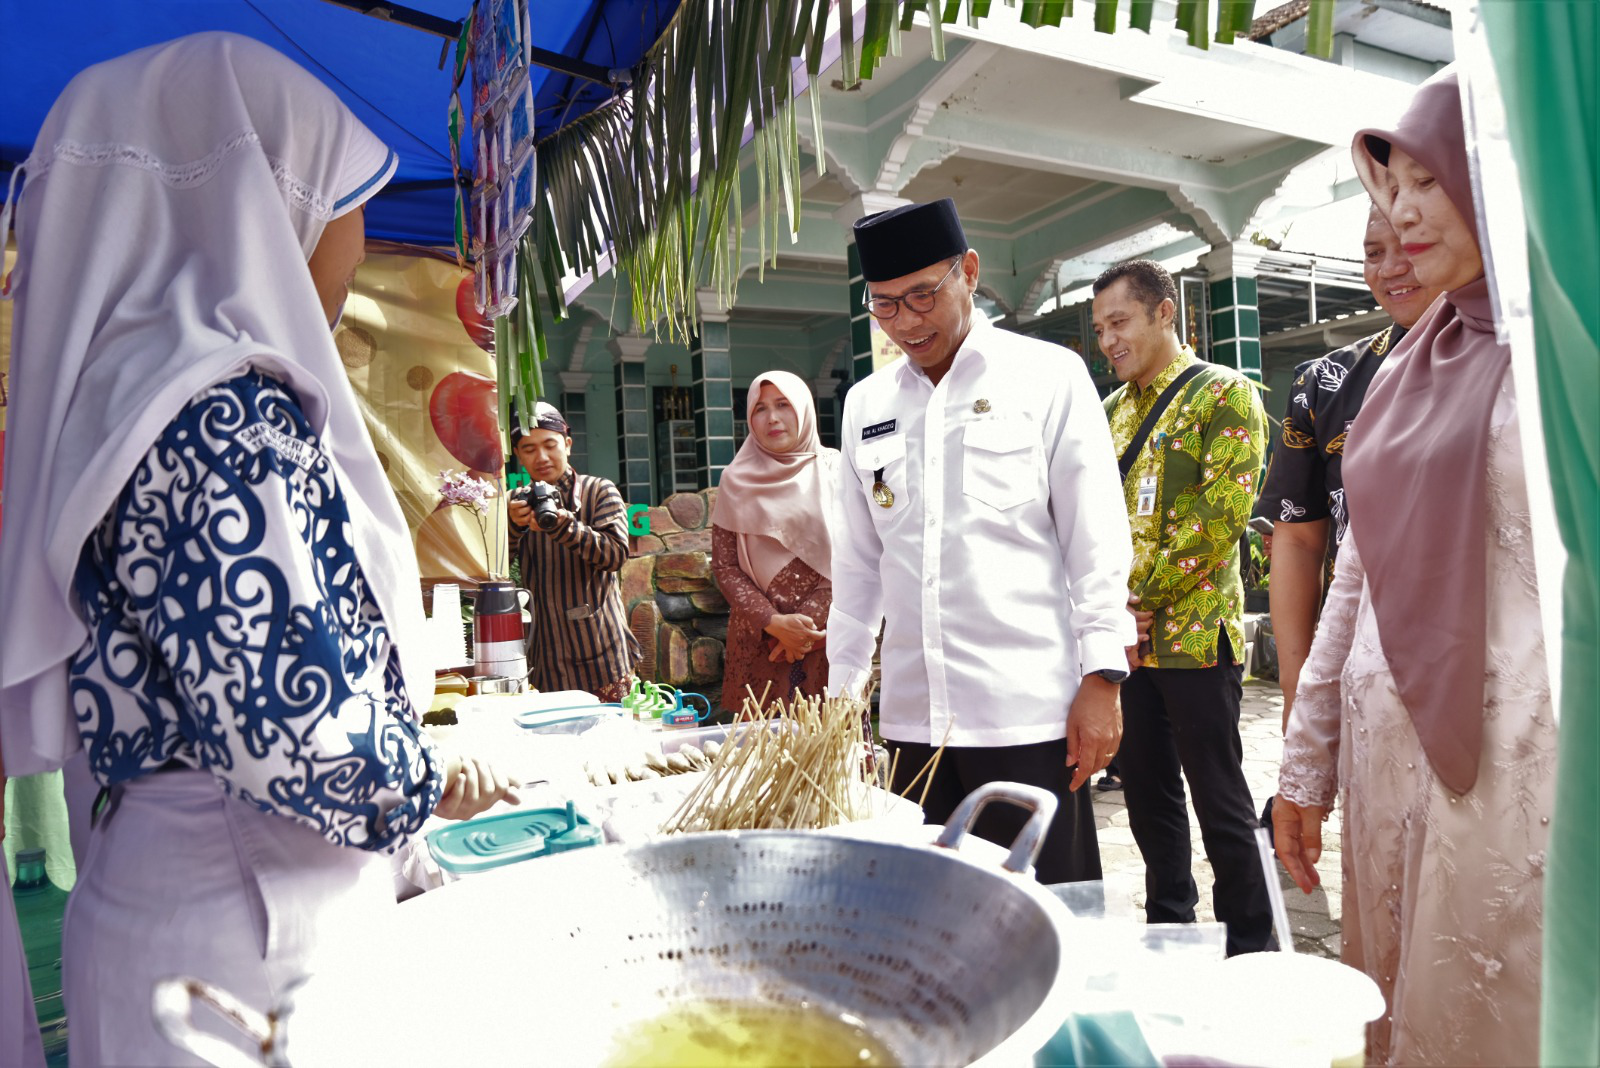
788, 655
471, 786
797, 635
1297, 834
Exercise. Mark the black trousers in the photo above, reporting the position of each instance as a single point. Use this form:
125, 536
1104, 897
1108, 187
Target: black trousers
1183, 723
1071, 851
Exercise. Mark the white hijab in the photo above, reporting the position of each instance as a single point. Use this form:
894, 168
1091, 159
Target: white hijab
172, 201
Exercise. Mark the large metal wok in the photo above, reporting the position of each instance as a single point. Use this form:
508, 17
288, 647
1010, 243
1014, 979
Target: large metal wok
947, 961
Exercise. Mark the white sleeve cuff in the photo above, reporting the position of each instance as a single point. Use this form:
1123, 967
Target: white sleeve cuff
848, 682
1099, 651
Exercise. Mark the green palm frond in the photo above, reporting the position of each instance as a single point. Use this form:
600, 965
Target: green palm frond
1319, 28
649, 184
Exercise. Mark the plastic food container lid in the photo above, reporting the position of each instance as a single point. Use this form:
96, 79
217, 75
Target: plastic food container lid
490, 842
549, 717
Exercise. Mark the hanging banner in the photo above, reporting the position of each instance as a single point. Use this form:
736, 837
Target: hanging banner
416, 349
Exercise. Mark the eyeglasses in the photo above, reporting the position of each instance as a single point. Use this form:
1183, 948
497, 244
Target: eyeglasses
918, 300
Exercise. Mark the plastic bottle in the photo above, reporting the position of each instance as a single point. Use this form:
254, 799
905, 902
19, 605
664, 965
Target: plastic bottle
40, 904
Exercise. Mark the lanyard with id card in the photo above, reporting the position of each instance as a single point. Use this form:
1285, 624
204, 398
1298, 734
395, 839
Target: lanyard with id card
1145, 502
1145, 499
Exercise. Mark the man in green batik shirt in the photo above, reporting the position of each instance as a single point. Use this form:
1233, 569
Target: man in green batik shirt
1189, 492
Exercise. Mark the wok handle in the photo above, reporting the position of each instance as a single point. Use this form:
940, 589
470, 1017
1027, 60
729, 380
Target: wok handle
173, 1002
1024, 850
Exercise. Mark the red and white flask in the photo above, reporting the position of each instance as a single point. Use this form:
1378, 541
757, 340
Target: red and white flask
498, 647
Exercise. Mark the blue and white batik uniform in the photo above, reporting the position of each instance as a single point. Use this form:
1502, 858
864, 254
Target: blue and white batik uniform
240, 695
210, 594
231, 630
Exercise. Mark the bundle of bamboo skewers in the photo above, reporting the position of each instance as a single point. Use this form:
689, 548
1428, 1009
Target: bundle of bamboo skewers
799, 766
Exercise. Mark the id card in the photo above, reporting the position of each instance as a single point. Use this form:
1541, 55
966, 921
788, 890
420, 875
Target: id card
1146, 500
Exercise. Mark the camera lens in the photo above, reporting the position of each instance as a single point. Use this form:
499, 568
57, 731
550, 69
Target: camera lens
545, 503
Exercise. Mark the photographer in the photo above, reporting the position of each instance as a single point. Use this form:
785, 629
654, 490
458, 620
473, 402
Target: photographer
569, 533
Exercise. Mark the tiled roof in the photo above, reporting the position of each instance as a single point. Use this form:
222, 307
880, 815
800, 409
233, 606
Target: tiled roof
1278, 18
1284, 14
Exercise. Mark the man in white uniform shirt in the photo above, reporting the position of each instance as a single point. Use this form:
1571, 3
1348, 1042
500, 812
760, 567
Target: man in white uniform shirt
983, 524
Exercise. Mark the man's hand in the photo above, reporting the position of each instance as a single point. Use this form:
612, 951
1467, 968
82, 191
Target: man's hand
797, 634
1094, 727
563, 517
1141, 622
471, 786
1297, 835
521, 513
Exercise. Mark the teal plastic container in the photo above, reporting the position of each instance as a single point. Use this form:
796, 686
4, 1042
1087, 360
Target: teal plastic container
574, 719
40, 904
480, 845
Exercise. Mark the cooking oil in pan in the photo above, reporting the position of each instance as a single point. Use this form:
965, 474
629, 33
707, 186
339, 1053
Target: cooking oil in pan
733, 1034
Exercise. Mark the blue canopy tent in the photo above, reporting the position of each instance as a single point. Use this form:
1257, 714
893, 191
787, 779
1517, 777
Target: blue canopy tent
394, 75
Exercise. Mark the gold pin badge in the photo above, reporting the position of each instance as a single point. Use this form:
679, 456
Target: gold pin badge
981, 405
882, 494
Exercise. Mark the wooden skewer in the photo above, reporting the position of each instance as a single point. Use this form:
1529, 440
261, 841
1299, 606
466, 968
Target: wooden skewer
937, 756
803, 776
918, 776
806, 773
922, 800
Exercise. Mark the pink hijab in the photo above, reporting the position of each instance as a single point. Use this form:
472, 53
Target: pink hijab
781, 504
1417, 469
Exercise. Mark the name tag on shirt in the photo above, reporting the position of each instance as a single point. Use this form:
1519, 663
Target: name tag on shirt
259, 435
1146, 501
877, 430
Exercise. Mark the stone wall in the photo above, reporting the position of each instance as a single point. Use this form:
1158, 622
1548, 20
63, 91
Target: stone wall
673, 604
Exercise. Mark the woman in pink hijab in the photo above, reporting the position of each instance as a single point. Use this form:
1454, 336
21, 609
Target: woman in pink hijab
771, 546
1425, 704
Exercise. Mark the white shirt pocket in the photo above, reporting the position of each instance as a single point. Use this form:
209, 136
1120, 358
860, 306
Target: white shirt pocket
886, 454
1000, 463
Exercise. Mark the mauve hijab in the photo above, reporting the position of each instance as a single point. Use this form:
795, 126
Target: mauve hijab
1417, 470
781, 504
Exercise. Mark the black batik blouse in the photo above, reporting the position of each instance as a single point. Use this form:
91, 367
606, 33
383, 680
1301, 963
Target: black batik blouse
1305, 481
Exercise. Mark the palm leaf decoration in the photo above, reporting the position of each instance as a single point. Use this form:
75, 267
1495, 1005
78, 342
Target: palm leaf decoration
649, 184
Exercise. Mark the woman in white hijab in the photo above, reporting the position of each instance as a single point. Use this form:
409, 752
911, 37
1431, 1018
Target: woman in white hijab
207, 584
771, 546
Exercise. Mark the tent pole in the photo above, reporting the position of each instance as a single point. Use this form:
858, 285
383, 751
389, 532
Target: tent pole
451, 30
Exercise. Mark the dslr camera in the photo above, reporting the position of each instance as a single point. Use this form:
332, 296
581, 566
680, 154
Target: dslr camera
544, 499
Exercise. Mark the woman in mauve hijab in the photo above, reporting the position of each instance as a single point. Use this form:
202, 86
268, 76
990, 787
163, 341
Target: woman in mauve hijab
206, 584
1425, 704
771, 546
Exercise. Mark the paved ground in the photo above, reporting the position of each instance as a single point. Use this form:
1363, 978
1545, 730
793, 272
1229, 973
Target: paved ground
1314, 918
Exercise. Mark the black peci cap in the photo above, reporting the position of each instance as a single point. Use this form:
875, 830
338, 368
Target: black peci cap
904, 240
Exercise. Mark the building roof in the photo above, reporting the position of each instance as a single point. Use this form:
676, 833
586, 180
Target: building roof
1278, 18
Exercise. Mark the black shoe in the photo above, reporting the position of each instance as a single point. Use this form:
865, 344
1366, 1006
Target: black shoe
1108, 781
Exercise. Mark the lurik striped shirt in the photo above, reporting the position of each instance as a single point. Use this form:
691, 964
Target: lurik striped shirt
580, 639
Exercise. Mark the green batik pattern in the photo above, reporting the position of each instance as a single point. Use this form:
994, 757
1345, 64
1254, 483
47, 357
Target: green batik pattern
1206, 452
